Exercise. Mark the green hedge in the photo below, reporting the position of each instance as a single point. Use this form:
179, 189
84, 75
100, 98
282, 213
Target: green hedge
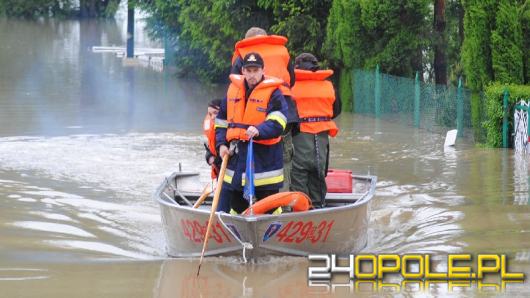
493, 98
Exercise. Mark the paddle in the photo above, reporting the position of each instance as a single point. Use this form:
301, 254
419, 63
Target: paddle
215, 201
205, 193
248, 190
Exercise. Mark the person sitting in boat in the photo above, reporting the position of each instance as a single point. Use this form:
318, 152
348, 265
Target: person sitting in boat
212, 158
278, 64
317, 106
254, 107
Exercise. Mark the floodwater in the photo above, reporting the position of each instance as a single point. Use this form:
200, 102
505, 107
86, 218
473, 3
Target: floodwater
85, 140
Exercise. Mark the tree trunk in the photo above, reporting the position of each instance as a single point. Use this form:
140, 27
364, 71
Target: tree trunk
93, 8
440, 42
87, 8
460, 13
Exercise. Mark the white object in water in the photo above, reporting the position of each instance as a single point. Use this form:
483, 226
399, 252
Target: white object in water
450, 138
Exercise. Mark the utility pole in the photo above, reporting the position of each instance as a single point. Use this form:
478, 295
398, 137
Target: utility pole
130, 30
440, 40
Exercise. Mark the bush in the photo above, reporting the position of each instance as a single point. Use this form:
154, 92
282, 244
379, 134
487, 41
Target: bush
494, 100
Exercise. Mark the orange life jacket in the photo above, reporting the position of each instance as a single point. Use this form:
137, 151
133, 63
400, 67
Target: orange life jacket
209, 132
314, 97
240, 115
299, 201
273, 51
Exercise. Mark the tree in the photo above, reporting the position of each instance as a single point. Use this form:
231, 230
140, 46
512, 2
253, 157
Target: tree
440, 43
396, 34
98, 8
476, 49
35, 8
302, 21
455, 38
344, 45
525, 17
203, 31
364, 33
55, 8
507, 44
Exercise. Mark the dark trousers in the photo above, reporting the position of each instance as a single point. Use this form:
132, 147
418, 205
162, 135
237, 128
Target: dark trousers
234, 199
309, 168
224, 201
288, 152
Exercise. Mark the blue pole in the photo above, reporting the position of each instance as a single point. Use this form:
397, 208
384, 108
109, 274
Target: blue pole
248, 190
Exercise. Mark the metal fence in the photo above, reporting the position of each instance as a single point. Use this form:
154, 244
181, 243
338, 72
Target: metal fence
437, 108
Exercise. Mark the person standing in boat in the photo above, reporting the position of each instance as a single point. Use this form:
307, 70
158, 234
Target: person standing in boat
278, 64
211, 156
317, 105
254, 107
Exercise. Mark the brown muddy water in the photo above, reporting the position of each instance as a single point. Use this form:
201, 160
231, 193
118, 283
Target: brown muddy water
84, 142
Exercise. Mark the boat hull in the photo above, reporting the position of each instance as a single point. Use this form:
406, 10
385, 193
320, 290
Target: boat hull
341, 229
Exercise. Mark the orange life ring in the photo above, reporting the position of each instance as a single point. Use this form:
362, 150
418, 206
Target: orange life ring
299, 201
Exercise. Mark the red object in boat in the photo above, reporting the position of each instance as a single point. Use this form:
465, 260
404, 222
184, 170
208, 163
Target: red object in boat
339, 181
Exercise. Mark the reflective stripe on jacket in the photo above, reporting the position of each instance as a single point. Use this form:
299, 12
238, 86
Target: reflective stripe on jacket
314, 97
268, 167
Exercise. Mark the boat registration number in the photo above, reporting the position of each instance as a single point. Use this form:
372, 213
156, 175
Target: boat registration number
195, 231
300, 231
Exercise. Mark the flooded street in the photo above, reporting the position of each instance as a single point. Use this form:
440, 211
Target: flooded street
85, 141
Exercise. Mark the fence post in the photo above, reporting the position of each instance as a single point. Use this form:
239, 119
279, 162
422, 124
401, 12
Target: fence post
505, 118
527, 128
459, 110
353, 109
377, 93
417, 101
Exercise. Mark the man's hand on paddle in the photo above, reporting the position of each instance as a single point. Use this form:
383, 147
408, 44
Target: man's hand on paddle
223, 150
252, 131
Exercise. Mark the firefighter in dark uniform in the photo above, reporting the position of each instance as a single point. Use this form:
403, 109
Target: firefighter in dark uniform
254, 107
277, 64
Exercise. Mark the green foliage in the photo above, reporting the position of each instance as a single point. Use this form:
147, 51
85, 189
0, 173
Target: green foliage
477, 118
507, 44
494, 101
364, 33
343, 45
301, 21
455, 35
35, 8
525, 24
476, 49
496, 48
396, 32
203, 31
59, 8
